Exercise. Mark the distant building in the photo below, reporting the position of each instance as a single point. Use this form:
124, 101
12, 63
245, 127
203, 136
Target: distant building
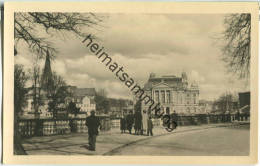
83, 98
205, 107
118, 107
173, 93
244, 102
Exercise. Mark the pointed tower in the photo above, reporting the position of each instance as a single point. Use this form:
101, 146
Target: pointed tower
47, 81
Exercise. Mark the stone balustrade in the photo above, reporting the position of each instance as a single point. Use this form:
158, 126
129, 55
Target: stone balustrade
45, 127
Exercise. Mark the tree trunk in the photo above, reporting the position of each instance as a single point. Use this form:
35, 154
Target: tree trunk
18, 148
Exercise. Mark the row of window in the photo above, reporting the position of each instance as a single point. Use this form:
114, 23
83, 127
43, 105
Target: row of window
166, 97
84, 105
77, 100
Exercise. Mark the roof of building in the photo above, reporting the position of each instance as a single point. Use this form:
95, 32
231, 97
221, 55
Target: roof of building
170, 80
85, 92
120, 102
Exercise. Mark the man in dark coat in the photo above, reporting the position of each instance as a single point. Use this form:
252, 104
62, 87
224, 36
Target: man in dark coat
130, 122
138, 122
123, 124
150, 127
175, 119
92, 123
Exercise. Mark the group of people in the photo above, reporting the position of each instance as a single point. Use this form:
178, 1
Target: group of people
141, 123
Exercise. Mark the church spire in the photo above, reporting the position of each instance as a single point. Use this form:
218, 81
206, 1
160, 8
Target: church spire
47, 81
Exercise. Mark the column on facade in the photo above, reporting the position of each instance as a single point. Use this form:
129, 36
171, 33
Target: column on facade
174, 97
170, 96
161, 100
164, 96
159, 96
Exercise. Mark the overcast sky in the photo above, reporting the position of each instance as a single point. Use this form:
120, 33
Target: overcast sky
142, 43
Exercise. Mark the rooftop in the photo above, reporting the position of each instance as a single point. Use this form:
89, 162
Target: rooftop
85, 92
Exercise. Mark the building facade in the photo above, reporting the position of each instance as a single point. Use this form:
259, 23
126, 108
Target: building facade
120, 107
83, 98
173, 93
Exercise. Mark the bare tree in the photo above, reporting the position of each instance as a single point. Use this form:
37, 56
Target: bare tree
20, 79
35, 75
27, 26
102, 102
58, 93
225, 103
237, 49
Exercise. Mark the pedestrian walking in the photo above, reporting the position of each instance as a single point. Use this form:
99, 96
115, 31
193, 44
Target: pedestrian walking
130, 122
123, 124
92, 122
150, 126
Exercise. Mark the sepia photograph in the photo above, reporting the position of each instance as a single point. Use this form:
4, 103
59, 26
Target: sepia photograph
132, 84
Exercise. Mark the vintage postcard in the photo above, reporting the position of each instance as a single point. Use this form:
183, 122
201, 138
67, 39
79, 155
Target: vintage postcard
130, 82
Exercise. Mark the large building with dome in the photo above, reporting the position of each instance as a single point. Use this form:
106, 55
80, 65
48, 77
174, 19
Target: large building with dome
173, 93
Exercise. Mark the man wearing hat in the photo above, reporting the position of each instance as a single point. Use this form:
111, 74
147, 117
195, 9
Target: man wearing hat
92, 123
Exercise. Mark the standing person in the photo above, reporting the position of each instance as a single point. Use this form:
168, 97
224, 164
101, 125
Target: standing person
150, 126
135, 126
92, 122
129, 122
175, 119
138, 122
238, 115
123, 124
144, 121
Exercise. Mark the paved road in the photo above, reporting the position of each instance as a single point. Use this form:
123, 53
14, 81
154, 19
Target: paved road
209, 142
215, 139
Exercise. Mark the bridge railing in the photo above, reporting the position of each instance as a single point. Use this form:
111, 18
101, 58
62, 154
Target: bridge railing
185, 120
45, 127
